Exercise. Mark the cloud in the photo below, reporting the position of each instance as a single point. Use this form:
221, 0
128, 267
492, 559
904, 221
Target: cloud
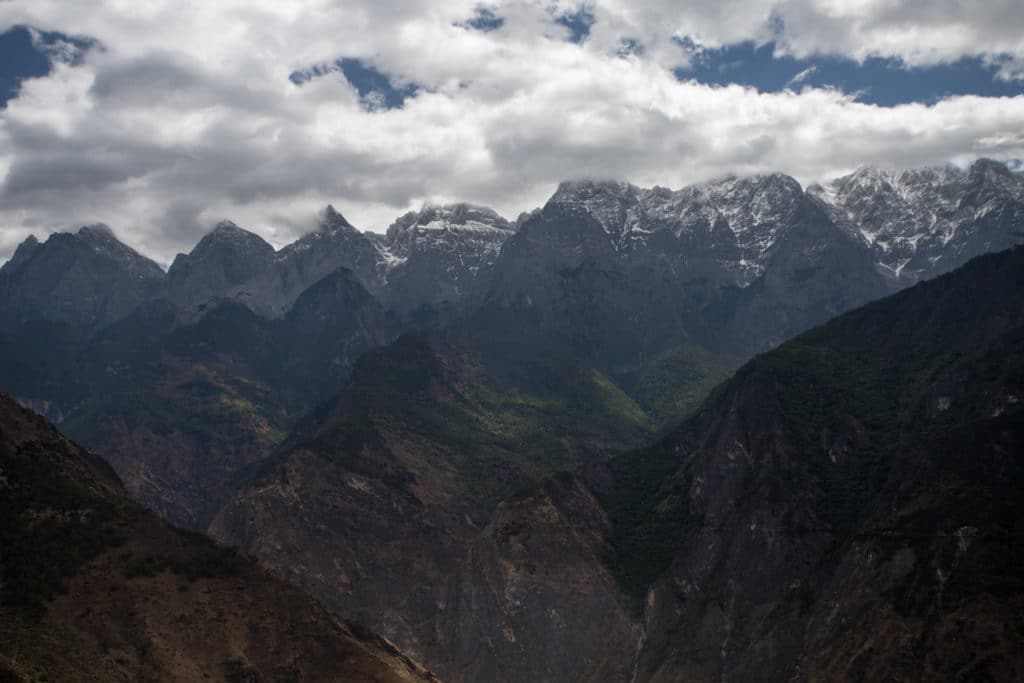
1010, 67
189, 115
801, 77
920, 32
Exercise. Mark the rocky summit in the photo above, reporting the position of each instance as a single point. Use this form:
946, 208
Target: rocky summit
924, 222
437, 257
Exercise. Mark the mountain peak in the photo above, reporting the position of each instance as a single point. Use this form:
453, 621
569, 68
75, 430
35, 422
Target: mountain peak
333, 220
97, 230
872, 176
985, 166
229, 233
460, 213
100, 239
589, 187
442, 218
21, 254
86, 278
226, 257
760, 183
780, 180
225, 226
607, 201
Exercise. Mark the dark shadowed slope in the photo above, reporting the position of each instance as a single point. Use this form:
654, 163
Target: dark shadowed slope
848, 506
94, 588
53, 296
184, 412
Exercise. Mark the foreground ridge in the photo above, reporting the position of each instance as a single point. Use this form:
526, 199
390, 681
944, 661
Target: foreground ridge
120, 595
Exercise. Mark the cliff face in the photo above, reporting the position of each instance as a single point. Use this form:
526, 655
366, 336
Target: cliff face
224, 259
54, 295
844, 507
735, 266
533, 600
85, 280
94, 588
437, 258
927, 221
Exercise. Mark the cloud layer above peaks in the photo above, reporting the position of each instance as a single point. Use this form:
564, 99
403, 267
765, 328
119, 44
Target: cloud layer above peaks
162, 118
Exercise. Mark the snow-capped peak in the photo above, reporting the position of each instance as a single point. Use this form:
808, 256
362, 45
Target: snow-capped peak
476, 227
913, 219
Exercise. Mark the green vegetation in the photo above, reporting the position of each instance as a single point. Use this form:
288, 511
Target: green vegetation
537, 394
212, 405
672, 385
496, 409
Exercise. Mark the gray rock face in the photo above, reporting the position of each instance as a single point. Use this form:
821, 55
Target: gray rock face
734, 222
562, 271
736, 263
924, 222
295, 268
22, 254
227, 257
86, 279
439, 255
435, 257
812, 272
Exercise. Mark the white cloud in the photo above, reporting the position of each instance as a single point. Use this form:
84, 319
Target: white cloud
188, 115
920, 32
802, 76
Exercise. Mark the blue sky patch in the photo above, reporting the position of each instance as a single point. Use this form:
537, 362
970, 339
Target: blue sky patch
19, 60
882, 81
22, 58
375, 89
484, 20
578, 23
630, 46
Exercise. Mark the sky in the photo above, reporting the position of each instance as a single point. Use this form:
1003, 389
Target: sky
162, 118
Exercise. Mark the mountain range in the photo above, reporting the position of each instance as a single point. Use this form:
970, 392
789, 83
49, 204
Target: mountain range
445, 432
